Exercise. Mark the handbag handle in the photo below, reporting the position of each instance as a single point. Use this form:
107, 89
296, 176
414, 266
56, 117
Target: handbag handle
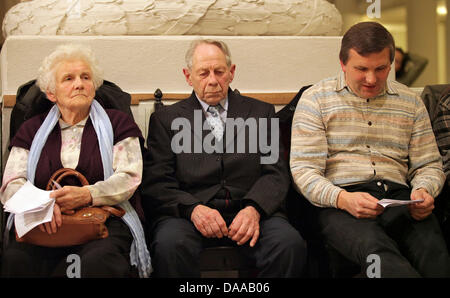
61, 174
64, 172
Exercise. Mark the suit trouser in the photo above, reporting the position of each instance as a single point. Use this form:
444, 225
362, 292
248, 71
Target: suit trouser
406, 247
279, 252
109, 257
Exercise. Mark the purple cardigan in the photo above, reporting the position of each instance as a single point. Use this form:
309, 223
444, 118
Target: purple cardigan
89, 163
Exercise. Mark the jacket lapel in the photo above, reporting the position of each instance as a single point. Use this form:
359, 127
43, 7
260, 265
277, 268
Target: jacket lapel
238, 107
193, 112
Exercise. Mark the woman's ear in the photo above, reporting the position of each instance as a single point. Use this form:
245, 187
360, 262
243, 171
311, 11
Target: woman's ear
51, 96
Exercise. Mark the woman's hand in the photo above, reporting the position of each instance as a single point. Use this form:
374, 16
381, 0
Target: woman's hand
52, 226
71, 197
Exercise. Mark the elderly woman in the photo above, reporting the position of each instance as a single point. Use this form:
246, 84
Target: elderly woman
104, 145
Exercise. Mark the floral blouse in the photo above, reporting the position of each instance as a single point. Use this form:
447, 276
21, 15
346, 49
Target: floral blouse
127, 166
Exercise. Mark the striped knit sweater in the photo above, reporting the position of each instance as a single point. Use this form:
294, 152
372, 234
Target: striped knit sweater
340, 139
441, 126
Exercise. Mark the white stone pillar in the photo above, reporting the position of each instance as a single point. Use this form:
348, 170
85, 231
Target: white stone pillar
422, 37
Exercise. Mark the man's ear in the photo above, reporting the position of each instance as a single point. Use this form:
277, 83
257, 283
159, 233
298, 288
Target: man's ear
187, 75
232, 70
342, 65
51, 96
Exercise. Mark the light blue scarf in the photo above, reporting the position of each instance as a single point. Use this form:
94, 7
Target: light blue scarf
139, 255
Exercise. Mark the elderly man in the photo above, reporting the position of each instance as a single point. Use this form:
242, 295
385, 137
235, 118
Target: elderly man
199, 190
358, 138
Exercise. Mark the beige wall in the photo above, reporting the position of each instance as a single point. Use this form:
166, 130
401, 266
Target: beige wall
422, 37
447, 36
415, 27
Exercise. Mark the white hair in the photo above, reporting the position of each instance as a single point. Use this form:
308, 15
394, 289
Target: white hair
194, 44
46, 79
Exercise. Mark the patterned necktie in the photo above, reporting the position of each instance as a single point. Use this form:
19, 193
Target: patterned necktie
215, 121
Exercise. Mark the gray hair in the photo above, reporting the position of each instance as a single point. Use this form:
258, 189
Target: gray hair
194, 44
46, 79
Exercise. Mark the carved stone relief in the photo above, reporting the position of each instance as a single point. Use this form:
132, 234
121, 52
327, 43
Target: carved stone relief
173, 17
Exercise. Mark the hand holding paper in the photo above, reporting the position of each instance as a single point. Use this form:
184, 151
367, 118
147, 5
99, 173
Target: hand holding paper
32, 206
421, 210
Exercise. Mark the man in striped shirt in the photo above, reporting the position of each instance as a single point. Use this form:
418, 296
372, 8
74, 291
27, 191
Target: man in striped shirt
441, 127
358, 138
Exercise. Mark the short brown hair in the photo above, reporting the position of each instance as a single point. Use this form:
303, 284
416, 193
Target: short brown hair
367, 38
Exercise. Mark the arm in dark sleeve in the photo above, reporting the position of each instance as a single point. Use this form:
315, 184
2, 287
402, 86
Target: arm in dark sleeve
268, 193
161, 190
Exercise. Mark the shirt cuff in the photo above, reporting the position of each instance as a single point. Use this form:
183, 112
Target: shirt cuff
94, 194
430, 190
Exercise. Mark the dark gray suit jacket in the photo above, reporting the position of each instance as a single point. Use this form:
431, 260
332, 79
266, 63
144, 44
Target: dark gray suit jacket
173, 181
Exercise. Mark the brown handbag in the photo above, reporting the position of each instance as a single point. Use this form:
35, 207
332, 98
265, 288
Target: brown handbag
79, 227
